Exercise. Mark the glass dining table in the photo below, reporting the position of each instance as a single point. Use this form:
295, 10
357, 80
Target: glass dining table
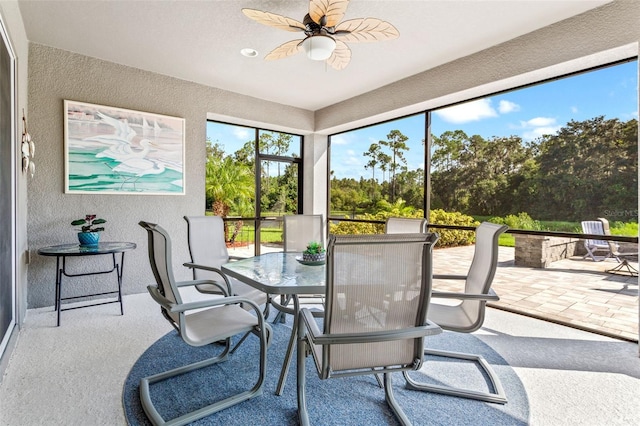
280, 274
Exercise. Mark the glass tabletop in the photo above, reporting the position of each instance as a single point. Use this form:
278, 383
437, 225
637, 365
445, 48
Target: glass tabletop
278, 273
78, 250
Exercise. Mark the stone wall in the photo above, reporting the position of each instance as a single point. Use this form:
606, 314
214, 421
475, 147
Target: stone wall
539, 251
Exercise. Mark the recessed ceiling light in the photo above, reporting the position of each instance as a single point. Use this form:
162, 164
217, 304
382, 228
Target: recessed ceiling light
249, 53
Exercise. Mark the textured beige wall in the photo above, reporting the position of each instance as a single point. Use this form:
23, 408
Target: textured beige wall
56, 75
608, 27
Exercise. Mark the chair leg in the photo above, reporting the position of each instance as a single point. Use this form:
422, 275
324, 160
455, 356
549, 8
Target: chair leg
498, 396
392, 402
624, 264
156, 418
303, 415
281, 316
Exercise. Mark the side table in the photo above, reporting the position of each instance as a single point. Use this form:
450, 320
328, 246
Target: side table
61, 252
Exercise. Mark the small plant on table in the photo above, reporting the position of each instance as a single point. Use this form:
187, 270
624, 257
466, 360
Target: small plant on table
314, 252
89, 229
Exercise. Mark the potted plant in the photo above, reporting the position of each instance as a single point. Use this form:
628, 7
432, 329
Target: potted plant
89, 228
314, 252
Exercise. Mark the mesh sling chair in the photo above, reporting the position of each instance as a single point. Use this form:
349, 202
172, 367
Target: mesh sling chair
208, 251
377, 296
404, 225
467, 316
210, 321
298, 231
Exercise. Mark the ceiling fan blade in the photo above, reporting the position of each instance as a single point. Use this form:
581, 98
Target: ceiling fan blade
274, 20
341, 56
287, 49
365, 29
333, 10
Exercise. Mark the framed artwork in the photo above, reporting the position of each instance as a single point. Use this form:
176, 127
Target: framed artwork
112, 150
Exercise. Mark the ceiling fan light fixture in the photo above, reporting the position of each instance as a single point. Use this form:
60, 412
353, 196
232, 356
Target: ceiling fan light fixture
319, 47
249, 53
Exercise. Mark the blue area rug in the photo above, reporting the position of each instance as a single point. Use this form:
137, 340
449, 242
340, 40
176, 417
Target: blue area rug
342, 401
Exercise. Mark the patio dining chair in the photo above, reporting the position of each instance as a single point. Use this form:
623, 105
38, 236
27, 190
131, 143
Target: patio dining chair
208, 251
404, 225
377, 296
467, 315
199, 323
298, 231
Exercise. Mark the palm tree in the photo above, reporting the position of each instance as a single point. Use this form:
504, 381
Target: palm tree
231, 186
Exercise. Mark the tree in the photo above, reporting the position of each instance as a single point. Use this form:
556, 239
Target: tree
396, 142
588, 169
230, 185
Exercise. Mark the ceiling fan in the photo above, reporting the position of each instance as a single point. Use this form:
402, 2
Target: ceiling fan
326, 36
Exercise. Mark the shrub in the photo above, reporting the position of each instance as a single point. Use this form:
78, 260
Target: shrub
452, 237
448, 238
520, 221
629, 229
353, 228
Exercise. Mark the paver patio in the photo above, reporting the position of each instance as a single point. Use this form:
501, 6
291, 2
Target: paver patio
575, 291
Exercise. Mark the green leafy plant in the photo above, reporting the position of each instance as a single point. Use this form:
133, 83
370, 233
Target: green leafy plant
89, 224
314, 247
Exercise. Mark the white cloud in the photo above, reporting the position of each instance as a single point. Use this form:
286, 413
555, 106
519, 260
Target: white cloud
470, 111
241, 134
505, 107
538, 122
339, 140
539, 126
351, 159
574, 109
540, 131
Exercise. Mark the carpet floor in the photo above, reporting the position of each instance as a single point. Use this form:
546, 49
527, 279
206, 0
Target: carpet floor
342, 401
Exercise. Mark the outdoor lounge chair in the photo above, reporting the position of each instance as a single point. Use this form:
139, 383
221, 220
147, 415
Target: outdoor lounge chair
404, 225
377, 296
208, 251
598, 227
612, 249
468, 315
199, 323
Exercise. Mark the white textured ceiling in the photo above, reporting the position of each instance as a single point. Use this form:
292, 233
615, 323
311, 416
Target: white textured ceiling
200, 41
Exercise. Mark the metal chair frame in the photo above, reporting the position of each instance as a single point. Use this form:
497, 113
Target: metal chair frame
225, 319
481, 276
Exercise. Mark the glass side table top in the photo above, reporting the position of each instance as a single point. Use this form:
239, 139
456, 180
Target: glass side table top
278, 273
78, 250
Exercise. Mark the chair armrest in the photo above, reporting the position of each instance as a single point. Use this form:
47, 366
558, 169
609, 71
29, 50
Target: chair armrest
226, 290
208, 303
467, 296
449, 277
177, 308
211, 269
205, 267
316, 337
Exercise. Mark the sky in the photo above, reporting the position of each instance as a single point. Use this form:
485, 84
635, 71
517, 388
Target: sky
528, 113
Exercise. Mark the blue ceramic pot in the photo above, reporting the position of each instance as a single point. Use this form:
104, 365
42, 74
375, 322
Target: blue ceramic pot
88, 239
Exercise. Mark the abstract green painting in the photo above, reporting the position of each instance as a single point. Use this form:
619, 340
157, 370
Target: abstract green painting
120, 151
